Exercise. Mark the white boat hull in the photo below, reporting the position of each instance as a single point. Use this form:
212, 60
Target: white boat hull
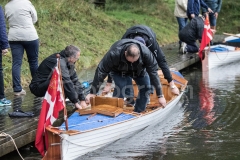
73, 146
215, 59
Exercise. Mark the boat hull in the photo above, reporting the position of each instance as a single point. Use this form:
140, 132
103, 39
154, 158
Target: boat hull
217, 58
73, 146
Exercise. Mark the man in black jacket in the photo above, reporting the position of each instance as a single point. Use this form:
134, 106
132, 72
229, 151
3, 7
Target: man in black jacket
129, 58
190, 34
146, 35
72, 87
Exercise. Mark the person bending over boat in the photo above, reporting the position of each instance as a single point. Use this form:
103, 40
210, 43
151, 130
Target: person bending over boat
72, 87
129, 58
190, 34
145, 35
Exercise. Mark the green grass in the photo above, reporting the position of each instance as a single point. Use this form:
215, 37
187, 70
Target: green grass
64, 22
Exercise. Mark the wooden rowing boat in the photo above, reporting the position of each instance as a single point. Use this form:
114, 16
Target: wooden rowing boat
218, 55
107, 120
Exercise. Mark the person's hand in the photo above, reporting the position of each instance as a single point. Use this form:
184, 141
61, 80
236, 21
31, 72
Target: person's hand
78, 106
216, 14
162, 101
88, 97
213, 31
83, 104
107, 88
209, 10
192, 15
4, 51
174, 89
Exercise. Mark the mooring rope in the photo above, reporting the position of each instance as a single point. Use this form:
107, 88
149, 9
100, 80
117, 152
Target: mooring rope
2, 134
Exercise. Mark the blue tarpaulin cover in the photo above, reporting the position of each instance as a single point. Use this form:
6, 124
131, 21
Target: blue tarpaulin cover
81, 123
218, 49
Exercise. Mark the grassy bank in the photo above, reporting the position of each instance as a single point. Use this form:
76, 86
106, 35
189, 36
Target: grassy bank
65, 22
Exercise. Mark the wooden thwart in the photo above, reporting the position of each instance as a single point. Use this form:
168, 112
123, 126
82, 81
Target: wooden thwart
104, 105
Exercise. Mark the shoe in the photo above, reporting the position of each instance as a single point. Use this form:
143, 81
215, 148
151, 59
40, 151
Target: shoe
183, 47
129, 102
22, 92
5, 102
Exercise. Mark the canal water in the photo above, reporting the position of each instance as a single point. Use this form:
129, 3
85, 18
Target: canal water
205, 124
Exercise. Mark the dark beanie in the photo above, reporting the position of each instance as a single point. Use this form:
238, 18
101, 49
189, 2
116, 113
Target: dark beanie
140, 39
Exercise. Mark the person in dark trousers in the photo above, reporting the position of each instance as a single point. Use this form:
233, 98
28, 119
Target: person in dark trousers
22, 36
72, 87
191, 33
3, 51
193, 8
215, 5
129, 58
145, 35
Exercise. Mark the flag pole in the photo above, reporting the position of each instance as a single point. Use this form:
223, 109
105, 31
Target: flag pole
64, 109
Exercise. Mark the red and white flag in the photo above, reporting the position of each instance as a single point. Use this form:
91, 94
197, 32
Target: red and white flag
207, 36
53, 102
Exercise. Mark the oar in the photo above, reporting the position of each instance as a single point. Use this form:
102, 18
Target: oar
229, 34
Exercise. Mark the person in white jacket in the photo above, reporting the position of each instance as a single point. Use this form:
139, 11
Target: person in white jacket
180, 12
21, 16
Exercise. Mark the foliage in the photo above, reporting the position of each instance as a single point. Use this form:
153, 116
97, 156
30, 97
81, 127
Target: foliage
65, 22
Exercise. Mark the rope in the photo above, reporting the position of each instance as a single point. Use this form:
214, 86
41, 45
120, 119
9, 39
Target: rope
4, 135
220, 53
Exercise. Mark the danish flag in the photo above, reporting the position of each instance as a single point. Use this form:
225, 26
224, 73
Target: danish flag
53, 102
206, 36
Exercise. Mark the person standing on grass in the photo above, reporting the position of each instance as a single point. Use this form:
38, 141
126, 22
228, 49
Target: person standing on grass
193, 8
3, 51
180, 12
21, 16
215, 5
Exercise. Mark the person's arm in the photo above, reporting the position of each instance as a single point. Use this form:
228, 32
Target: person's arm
68, 84
218, 8
33, 13
190, 8
3, 33
152, 67
182, 4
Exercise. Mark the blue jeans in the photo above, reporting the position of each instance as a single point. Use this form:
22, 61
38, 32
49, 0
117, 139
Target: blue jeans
122, 86
212, 19
182, 22
17, 49
1, 78
192, 47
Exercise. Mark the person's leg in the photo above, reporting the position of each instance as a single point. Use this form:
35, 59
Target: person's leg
129, 92
1, 78
192, 47
144, 88
182, 22
32, 48
17, 55
120, 84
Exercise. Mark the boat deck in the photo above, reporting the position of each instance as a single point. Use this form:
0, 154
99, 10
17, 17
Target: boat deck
23, 129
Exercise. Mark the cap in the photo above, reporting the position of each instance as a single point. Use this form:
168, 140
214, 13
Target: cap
140, 39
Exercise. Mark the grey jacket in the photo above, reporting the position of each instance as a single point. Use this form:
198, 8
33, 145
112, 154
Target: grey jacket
21, 16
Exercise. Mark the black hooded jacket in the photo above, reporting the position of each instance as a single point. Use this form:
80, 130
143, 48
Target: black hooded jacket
72, 87
192, 31
150, 38
115, 60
